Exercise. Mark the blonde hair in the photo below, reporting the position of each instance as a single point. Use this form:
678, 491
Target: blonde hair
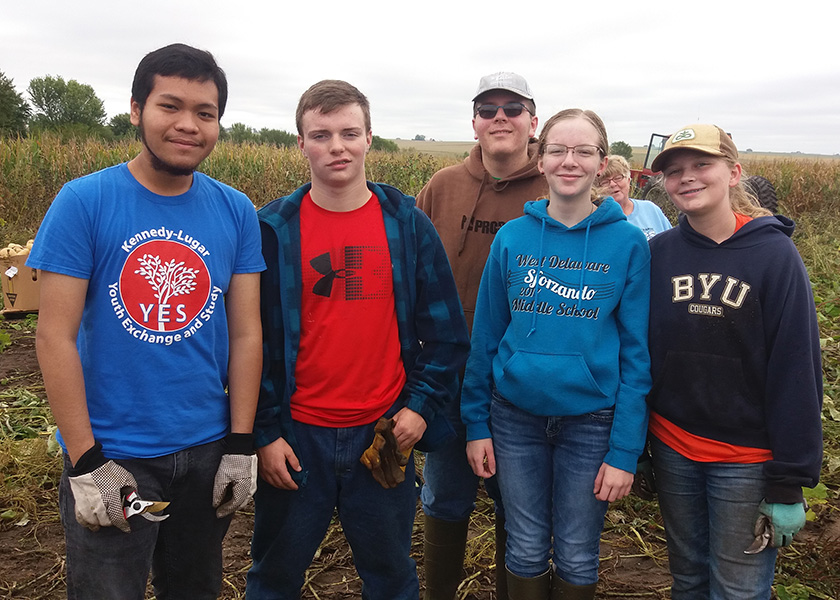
742, 199
616, 165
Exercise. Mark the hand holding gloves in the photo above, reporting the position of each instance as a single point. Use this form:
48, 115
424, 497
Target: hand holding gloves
383, 457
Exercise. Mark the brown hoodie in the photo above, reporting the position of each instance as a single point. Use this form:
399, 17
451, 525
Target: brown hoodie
467, 207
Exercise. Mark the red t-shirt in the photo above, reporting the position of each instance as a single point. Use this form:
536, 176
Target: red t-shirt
349, 368
702, 449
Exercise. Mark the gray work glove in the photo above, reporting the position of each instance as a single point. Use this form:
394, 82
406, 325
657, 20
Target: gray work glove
236, 478
98, 486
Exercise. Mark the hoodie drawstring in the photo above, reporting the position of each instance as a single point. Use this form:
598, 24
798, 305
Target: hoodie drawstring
542, 259
583, 264
498, 186
539, 276
466, 227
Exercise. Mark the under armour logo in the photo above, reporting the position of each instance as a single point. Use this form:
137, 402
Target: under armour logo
323, 265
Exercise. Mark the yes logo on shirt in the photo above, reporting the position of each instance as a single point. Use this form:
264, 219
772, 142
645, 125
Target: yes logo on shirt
164, 285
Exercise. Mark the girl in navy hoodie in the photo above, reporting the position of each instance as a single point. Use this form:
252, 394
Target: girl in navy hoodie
736, 400
553, 396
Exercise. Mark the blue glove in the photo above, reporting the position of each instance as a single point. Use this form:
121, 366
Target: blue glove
785, 521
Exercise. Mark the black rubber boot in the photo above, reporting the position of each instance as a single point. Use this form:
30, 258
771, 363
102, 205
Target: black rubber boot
444, 546
529, 588
561, 590
501, 570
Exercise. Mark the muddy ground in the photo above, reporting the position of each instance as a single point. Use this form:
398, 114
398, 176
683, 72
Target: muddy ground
633, 556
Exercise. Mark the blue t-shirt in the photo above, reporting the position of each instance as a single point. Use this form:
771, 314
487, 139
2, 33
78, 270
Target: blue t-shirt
153, 339
648, 217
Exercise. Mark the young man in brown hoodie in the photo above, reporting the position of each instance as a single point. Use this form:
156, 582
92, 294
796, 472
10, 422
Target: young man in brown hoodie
468, 203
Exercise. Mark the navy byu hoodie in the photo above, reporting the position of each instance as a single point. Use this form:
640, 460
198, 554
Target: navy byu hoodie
735, 347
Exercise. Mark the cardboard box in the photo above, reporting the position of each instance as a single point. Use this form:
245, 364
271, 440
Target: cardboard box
19, 283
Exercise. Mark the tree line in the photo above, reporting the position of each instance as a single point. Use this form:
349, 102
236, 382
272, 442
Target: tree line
72, 109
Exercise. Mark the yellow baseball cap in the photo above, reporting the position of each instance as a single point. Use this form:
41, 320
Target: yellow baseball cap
709, 139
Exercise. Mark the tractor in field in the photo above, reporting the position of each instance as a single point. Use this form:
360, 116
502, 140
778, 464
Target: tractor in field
646, 180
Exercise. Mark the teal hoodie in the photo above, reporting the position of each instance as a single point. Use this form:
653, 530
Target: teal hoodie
561, 325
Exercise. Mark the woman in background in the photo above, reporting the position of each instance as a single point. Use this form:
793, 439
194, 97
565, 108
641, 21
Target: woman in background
644, 214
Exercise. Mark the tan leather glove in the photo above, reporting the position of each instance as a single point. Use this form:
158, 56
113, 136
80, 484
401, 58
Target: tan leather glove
383, 457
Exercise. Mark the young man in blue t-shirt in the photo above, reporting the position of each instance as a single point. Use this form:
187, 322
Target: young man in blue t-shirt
149, 341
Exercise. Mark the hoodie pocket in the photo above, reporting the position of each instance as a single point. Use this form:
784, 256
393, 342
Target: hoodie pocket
550, 384
709, 389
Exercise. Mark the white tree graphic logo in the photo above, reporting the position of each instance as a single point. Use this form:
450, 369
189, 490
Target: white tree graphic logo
168, 279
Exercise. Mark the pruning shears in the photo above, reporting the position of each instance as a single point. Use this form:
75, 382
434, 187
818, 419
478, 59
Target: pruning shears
762, 538
133, 504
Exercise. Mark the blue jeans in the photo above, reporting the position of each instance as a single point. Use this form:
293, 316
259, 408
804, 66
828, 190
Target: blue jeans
450, 485
183, 553
290, 525
710, 510
546, 468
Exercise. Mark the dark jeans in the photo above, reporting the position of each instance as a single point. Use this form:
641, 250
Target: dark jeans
710, 510
290, 525
450, 484
546, 468
183, 553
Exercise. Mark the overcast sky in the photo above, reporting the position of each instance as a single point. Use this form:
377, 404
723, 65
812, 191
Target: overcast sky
768, 72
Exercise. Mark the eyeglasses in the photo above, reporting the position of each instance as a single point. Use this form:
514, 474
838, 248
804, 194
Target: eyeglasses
512, 109
582, 151
617, 179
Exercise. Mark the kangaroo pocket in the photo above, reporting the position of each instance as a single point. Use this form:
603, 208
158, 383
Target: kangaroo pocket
550, 384
708, 391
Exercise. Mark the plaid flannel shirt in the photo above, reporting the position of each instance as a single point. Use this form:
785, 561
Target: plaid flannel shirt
433, 336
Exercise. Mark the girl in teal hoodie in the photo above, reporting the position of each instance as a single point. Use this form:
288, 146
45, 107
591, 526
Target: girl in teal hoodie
554, 391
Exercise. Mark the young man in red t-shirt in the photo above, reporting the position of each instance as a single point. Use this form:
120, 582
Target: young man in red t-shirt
357, 278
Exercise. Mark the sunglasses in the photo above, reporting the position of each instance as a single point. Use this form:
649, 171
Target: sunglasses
512, 109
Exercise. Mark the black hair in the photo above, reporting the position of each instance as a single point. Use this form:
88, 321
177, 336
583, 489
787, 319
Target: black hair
178, 60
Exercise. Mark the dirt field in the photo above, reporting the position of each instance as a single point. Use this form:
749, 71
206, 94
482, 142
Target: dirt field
633, 557
32, 555
435, 147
